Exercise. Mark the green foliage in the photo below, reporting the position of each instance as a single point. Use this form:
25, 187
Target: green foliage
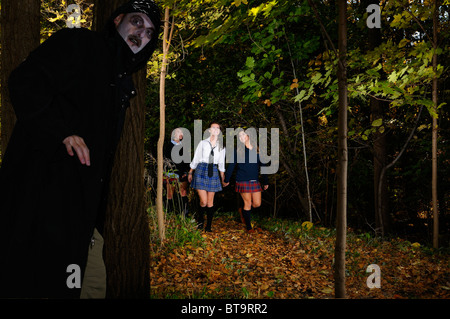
255, 63
54, 15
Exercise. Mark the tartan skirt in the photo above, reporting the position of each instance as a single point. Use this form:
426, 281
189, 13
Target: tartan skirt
248, 187
201, 180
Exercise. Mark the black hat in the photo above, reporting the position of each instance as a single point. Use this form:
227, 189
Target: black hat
147, 7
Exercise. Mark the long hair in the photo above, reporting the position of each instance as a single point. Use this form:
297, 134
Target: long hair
220, 136
252, 135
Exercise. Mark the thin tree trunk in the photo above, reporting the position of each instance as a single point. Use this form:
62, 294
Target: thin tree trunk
18, 17
275, 197
381, 203
162, 122
382, 220
291, 172
341, 223
385, 168
435, 133
305, 159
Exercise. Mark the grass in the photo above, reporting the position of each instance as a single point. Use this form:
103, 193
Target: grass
180, 232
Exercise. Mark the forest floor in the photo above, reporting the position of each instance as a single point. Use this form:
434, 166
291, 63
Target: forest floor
288, 260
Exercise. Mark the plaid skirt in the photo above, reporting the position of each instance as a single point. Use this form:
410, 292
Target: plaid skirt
201, 180
248, 187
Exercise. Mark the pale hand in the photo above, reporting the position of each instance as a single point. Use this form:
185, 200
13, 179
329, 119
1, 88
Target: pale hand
74, 142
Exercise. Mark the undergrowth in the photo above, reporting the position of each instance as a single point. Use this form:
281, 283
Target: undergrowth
179, 232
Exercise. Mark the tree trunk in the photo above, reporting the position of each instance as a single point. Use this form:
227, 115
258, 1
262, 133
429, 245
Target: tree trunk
381, 200
18, 17
126, 230
435, 134
292, 172
162, 110
102, 11
341, 222
127, 235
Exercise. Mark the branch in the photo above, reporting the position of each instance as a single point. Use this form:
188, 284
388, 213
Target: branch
378, 98
303, 131
383, 171
407, 141
316, 13
250, 35
420, 25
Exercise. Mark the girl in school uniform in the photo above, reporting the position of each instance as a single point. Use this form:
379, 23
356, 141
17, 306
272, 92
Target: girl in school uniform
247, 162
207, 173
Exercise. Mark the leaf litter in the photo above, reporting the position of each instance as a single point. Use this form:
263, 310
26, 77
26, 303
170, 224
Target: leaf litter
232, 263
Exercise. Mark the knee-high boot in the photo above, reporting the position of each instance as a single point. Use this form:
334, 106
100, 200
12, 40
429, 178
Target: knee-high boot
200, 217
184, 206
209, 217
247, 217
169, 206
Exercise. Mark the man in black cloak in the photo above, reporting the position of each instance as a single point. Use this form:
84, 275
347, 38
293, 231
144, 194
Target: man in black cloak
70, 97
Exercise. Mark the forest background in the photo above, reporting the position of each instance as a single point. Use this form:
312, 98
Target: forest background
266, 64
269, 64
272, 64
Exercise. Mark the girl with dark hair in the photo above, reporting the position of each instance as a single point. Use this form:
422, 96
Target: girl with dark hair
209, 166
248, 163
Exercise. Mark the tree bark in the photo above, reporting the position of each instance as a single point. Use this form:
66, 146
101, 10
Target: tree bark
341, 222
127, 235
381, 199
18, 17
377, 107
126, 230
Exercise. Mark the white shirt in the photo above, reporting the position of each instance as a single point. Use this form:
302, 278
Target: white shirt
203, 151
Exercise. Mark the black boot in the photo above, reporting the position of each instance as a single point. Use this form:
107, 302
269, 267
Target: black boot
209, 217
200, 217
184, 206
247, 217
169, 206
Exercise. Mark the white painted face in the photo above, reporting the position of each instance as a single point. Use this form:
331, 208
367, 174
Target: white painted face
178, 135
136, 29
